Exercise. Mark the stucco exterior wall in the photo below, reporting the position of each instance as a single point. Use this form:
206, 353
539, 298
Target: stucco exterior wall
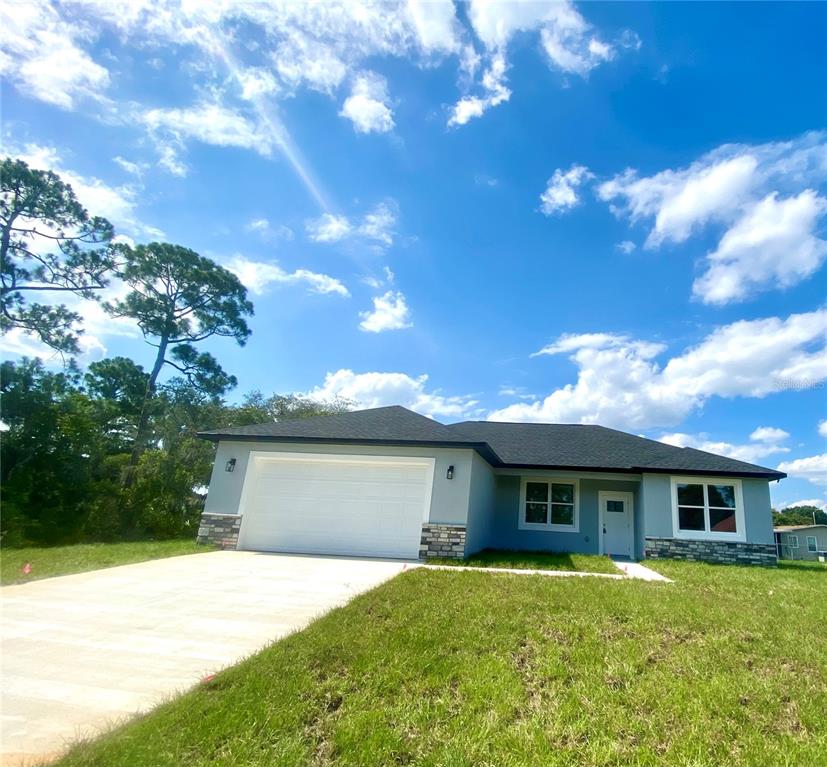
656, 500
480, 506
656, 495
449, 499
505, 530
757, 510
485, 502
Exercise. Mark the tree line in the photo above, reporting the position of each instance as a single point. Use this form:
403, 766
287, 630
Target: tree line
111, 452
799, 515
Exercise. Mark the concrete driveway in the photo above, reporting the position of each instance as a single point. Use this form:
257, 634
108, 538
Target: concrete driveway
81, 652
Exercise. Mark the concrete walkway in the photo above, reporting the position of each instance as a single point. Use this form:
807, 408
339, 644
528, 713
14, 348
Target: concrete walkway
636, 570
82, 651
522, 571
628, 569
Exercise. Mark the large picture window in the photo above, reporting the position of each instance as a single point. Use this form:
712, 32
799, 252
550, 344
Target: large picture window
707, 508
549, 504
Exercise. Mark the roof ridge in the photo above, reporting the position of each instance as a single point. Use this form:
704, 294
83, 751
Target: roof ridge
531, 423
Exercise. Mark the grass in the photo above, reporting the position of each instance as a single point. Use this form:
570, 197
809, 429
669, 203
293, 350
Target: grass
46, 562
533, 560
728, 665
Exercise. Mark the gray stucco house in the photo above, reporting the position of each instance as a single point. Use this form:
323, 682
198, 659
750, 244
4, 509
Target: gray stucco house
388, 482
801, 541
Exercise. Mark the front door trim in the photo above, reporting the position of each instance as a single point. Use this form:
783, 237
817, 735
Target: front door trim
629, 499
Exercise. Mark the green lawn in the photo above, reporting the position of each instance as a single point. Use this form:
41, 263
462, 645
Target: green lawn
728, 665
64, 560
533, 560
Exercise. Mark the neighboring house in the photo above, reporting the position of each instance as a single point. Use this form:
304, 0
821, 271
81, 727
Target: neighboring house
388, 482
801, 541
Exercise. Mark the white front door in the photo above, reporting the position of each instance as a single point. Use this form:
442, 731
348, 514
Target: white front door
616, 523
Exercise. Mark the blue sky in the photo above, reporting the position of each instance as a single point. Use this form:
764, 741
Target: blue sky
602, 213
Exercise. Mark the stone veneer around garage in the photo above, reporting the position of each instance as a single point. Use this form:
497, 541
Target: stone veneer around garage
442, 541
721, 552
219, 529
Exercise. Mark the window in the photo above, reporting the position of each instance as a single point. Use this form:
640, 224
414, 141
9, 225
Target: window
793, 541
707, 508
812, 543
547, 504
615, 506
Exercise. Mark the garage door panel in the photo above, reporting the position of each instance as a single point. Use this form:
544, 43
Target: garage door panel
339, 506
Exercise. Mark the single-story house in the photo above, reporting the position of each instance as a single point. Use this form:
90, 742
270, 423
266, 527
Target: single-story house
387, 482
801, 541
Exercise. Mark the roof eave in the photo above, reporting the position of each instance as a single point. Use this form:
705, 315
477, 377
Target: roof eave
483, 448
487, 452
760, 474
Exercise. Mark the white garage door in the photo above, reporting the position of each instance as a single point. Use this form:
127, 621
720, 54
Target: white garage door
335, 504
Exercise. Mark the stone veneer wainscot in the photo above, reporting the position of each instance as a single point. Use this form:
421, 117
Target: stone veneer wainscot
442, 541
219, 529
723, 552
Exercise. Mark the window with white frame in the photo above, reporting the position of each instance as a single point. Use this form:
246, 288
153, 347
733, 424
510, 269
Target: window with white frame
793, 541
707, 508
812, 543
549, 504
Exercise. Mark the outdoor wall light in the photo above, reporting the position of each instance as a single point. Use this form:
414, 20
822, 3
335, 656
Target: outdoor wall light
230, 465
450, 473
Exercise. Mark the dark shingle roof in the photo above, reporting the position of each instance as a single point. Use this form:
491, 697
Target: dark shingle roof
381, 424
583, 446
572, 446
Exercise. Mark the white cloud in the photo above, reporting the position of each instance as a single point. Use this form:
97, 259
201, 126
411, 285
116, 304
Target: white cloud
822, 428
377, 225
169, 160
366, 107
388, 278
764, 442
116, 203
813, 468
514, 391
40, 53
621, 383
627, 247
769, 434
561, 189
568, 40
301, 61
264, 229
134, 168
256, 82
685, 199
772, 245
382, 389
494, 92
570, 45
210, 123
390, 312
572, 342
436, 25
257, 276
328, 228
257, 225
761, 196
